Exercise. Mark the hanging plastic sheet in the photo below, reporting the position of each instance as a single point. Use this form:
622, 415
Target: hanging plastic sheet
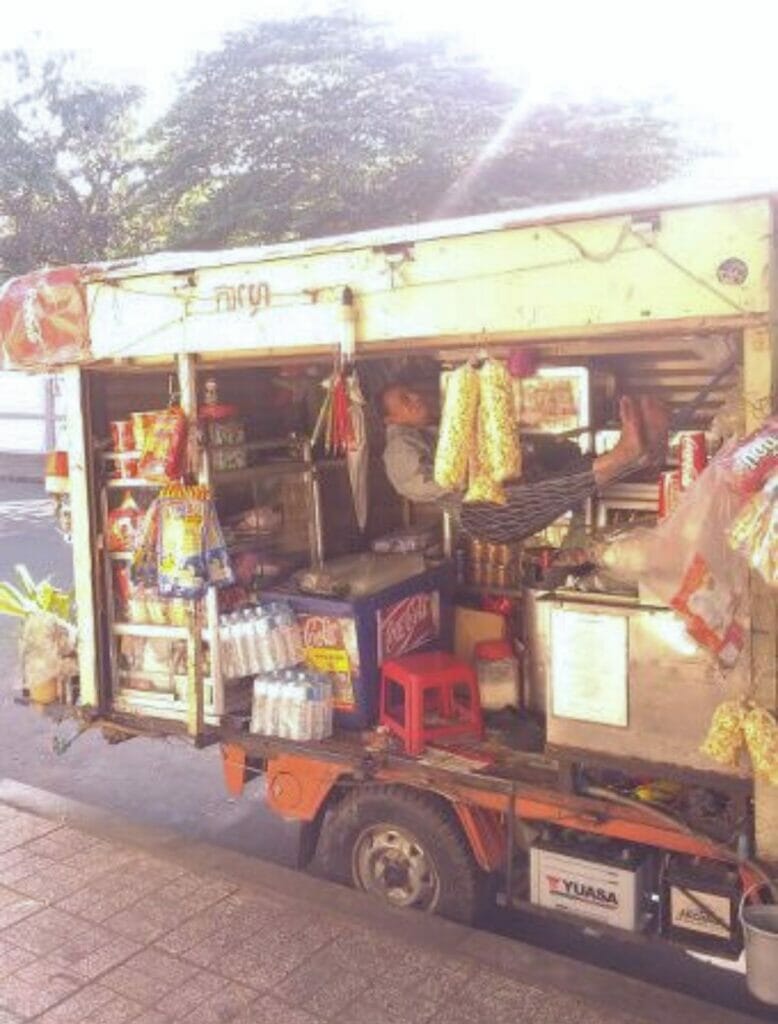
44, 320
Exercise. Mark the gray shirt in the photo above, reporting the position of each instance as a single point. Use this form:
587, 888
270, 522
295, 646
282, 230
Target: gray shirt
409, 458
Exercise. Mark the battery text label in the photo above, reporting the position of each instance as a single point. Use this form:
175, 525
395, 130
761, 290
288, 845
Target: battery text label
568, 888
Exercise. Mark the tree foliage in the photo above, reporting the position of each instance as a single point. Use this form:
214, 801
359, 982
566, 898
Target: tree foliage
68, 169
295, 128
322, 125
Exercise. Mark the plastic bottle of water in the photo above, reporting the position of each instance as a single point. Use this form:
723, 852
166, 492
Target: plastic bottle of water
226, 648
263, 646
259, 706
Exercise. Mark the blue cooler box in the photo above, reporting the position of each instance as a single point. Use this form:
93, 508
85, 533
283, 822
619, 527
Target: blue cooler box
349, 639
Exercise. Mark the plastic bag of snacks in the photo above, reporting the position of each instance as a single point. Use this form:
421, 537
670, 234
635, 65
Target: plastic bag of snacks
164, 447
754, 532
497, 423
181, 549
483, 486
755, 459
687, 563
725, 740
457, 428
761, 734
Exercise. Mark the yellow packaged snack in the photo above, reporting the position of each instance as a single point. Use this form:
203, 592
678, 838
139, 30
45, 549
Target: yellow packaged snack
482, 486
761, 735
725, 739
497, 421
457, 428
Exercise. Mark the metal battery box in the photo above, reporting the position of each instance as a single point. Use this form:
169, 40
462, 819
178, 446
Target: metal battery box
700, 906
608, 883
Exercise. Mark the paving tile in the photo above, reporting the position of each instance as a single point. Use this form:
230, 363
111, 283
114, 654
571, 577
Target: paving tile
149, 976
51, 883
14, 907
18, 827
94, 1004
36, 987
103, 898
91, 952
321, 985
399, 1004
366, 952
45, 931
12, 958
18, 863
200, 927
225, 1005
260, 966
268, 1010
191, 994
428, 976
65, 842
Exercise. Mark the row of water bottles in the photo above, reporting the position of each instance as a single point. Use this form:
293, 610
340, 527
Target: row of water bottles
260, 639
295, 704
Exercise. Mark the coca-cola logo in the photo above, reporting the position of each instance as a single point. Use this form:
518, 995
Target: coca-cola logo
407, 624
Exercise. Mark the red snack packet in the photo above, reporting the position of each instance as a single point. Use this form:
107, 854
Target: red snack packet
755, 458
164, 446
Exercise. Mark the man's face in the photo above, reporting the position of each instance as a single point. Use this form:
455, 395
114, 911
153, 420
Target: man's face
407, 407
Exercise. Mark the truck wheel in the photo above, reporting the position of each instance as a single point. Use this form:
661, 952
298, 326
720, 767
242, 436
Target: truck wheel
404, 847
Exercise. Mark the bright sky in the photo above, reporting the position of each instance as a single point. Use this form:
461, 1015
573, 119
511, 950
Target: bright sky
715, 59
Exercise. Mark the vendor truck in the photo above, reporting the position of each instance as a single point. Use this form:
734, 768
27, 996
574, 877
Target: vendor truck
583, 789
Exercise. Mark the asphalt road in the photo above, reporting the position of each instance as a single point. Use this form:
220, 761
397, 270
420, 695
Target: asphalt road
170, 784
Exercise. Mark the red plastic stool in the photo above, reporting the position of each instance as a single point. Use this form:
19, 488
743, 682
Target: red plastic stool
427, 697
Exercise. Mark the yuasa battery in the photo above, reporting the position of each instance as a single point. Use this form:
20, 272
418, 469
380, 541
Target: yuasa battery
605, 882
700, 906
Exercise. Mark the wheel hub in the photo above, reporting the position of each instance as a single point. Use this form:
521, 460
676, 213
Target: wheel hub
391, 863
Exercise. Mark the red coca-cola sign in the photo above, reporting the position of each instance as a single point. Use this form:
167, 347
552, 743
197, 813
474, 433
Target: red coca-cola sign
408, 624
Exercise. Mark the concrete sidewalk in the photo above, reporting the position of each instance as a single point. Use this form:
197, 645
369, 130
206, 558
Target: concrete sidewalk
107, 923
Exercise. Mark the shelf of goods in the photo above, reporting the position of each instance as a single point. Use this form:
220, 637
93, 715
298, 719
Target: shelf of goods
281, 458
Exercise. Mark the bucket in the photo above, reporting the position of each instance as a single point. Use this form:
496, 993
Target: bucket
760, 933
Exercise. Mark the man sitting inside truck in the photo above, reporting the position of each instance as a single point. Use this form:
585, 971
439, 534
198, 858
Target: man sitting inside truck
554, 481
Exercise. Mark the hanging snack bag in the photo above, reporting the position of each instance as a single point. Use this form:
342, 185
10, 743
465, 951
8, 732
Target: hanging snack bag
761, 733
483, 487
457, 428
181, 545
164, 447
754, 532
497, 422
725, 739
755, 459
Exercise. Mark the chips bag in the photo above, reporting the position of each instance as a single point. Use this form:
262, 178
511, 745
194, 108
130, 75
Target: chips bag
457, 428
164, 447
755, 459
725, 739
483, 487
182, 550
754, 532
497, 423
761, 734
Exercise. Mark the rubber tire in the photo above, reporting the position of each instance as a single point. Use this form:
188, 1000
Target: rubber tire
463, 886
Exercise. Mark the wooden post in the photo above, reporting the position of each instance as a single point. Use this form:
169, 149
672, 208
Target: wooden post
187, 383
84, 536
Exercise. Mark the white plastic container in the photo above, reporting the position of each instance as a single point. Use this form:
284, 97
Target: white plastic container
498, 673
